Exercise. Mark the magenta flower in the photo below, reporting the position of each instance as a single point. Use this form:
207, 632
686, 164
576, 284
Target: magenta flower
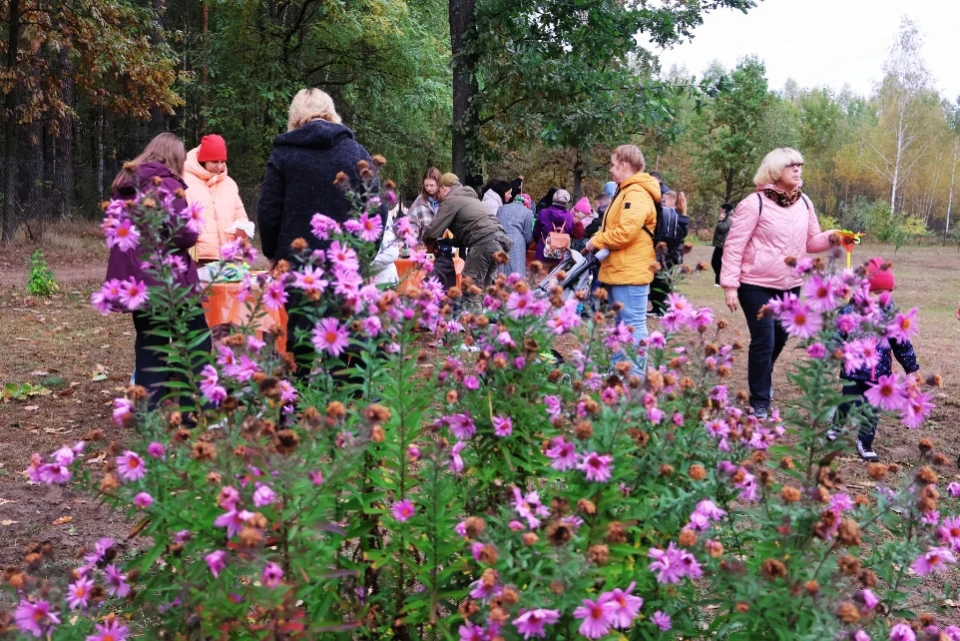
130, 466
228, 497
820, 293
502, 426
51, 473
99, 554
216, 561
902, 632
133, 293
870, 599
36, 618
950, 532
403, 510
413, 453
456, 461
887, 394
531, 623
471, 382
566, 318
661, 620
124, 236
529, 507
112, 630
78, 593
272, 575
342, 256
460, 425
322, 226
596, 617
904, 326
122, 409
626, 607
519, 305
471, 632
274, 296
116, 582
597, 467
156, 450
801, 321
264, 496
143, 500
562, 453
233, 521
816, 351
329, 336
209, 387
366, 228
917, 408
679, 304
933, 560
668, 564
316, 477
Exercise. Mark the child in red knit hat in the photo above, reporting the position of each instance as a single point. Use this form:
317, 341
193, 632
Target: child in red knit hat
880, 276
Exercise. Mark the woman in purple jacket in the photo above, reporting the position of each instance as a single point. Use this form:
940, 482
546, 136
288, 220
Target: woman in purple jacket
557, 218
157, 169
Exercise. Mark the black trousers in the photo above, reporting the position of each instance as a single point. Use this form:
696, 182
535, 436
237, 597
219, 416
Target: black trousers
717, 263
767, 340
149, 359
868, 428
659, 289
444, 271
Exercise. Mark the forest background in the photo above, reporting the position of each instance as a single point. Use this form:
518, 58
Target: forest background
540, 88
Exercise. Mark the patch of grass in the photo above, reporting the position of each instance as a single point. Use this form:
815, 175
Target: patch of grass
55, 382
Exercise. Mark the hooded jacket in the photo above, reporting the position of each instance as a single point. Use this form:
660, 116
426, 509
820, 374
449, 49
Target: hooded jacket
466, 217
553, 218
721, 230
492, 201
298, 183
758, 242
222, 207
124, 264
627, 231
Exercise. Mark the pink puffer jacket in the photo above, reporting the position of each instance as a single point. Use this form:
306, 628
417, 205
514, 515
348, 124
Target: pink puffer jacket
759, 242
222, 207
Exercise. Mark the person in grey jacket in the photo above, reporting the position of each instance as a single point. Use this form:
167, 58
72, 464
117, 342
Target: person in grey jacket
719, 237
517, 222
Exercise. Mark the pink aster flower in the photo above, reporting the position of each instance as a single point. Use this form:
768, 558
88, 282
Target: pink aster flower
597, 467
502, 426
870, 599
801, 321
460, 425
99, 553
403, 510
209, 388
916, 409
529, 507
78, 593
816, 351
456, 461
111, 630
272, 575
130, 466
322, 226
233, 521
531, 623
904, 326
887, 394
820, 293
133, 293
366, 227
661, 620
902, 632
596, 617
116, 582
228, 497
36, 618
933, 560
143, 500
954, 489
156, 450
519, 305
563, 454
471, 632
413, 453
264, 496
216, 561
124, 236
626, 607
274, 296
331, 337
122, 409
667, 564
316, 477
471, 382
342, 256
51, 473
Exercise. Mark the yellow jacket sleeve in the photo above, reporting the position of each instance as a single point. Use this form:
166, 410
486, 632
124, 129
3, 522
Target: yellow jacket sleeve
625, 228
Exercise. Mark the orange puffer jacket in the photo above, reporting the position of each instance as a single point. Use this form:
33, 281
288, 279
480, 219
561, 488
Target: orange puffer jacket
222, 207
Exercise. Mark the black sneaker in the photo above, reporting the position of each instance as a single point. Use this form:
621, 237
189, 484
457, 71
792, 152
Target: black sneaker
761, 412
866, 451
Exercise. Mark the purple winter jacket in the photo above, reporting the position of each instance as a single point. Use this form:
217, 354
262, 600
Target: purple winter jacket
550, 219
122, 265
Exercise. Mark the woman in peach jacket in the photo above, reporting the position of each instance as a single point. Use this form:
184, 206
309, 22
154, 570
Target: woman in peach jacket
774, 223
224, 217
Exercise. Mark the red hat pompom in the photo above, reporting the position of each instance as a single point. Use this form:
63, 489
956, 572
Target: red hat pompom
212, 149
880, 275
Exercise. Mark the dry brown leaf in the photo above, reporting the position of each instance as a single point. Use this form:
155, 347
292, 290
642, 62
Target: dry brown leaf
62, 520
7, 522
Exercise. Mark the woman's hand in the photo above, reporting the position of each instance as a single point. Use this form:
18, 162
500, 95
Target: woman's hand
589, 248
730, 297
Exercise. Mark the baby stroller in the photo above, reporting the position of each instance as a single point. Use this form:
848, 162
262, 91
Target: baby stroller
579, 273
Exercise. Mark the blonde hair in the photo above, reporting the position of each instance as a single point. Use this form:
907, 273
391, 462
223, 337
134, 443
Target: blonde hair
631, 155
773, 164
166, 149
311, 104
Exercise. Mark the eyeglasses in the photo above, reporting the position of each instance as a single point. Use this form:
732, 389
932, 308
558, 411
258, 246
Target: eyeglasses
794, 164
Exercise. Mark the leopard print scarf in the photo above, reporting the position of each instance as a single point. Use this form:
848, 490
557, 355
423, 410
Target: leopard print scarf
782, 199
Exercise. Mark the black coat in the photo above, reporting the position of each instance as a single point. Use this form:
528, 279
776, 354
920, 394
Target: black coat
299, 183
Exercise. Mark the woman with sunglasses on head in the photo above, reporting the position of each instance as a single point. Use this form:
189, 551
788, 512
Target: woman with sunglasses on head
775, 222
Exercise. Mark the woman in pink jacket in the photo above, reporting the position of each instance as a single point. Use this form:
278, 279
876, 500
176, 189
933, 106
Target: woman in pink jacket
224, 217
770, 225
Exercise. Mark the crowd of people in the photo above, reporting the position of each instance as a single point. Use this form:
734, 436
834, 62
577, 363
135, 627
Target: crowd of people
639, 221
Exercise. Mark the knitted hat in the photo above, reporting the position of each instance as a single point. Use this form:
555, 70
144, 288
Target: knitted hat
562, 197
449, 180
212, 149
583, 206
610, 189
880, 275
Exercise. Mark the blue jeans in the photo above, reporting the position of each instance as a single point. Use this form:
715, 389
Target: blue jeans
634, 313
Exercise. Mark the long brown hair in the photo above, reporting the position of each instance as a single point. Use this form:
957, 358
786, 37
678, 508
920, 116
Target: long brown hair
166, 149
433, 173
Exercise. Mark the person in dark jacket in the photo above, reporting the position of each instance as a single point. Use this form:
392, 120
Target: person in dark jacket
299, 182
857, 383
555, 218
720, 237
674, 206
162, 160
473, 227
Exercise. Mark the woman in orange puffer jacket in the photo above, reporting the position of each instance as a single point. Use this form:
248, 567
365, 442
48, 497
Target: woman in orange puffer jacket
224, 217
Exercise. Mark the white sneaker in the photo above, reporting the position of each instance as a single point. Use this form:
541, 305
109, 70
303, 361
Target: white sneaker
831, 434
866, 453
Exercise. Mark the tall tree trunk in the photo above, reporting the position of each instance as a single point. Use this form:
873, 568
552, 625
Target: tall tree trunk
953, 177
465, 87
100, 126
63, 146
157, 117
33, 207
10, 127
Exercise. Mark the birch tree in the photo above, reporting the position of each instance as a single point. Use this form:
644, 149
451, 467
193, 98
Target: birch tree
953, 116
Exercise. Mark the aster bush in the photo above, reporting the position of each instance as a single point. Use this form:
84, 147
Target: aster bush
484, 489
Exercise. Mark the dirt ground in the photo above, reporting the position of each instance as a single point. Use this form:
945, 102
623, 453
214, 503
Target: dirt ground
83, 359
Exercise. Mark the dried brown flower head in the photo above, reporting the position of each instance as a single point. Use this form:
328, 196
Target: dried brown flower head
697, 472
559, 533
488, 555
790, 494
849, 565
616, 533
687, 538
529, 538
474, 526
925, 445
287, 441
926, 475
772, 569
811, 587
586, 507
848, 613
598, 554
